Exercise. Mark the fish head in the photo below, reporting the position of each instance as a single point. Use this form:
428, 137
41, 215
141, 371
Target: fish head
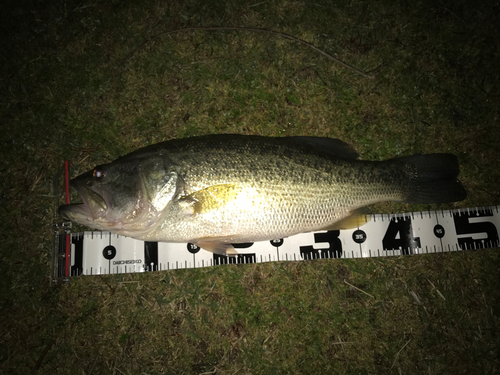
125, 197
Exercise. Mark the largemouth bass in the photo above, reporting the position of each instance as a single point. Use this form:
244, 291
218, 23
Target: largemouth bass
222, 189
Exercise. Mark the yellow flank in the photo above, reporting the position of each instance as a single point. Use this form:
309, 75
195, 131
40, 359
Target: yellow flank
213, 198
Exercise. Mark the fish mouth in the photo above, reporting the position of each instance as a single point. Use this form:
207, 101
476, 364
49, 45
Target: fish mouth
94, 205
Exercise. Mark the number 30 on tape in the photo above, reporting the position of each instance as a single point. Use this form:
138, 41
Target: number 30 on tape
91, 253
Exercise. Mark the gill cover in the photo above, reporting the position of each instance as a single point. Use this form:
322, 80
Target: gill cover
126, 196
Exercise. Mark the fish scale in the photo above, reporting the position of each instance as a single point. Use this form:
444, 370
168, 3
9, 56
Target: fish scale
222, 189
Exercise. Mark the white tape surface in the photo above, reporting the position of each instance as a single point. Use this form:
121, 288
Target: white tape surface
97, 253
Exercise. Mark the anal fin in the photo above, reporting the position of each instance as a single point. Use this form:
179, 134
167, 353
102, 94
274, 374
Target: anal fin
355, 219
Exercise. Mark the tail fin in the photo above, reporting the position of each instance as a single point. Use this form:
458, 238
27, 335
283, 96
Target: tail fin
433, 178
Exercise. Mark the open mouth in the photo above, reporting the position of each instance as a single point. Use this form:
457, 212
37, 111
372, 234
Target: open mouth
93, 205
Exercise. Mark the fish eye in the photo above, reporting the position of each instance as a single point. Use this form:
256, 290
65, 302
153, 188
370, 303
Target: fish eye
99, 173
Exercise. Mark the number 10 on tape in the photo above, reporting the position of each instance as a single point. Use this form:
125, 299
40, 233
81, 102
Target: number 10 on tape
383, 235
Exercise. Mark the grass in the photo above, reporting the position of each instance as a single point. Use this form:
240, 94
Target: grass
68, 94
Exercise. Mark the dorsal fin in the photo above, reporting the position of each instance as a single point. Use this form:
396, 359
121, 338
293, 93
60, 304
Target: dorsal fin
330, 146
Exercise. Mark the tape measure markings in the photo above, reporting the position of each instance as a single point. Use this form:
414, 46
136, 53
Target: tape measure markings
95, 253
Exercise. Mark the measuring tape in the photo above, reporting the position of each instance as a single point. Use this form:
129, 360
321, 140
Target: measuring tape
99, 253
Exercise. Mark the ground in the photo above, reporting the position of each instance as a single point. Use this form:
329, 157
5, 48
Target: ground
89, 81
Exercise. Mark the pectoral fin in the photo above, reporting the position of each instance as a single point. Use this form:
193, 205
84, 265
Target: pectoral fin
355, 219
211, 198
